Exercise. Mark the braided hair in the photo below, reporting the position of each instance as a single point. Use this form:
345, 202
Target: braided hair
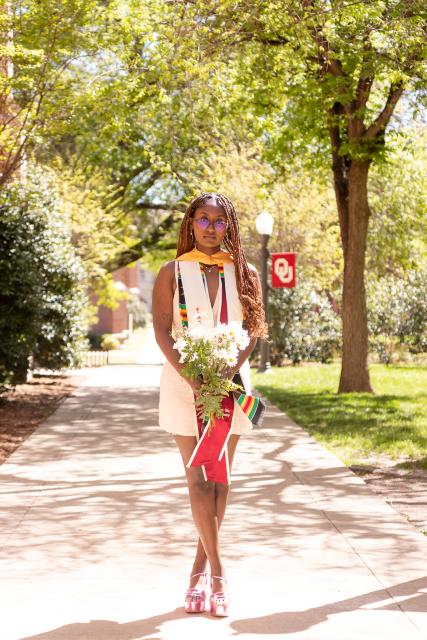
247, 281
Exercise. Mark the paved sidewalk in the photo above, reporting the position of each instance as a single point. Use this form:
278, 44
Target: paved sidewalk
97, 537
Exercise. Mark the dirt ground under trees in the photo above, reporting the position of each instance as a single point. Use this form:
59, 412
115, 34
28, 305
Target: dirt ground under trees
23, 408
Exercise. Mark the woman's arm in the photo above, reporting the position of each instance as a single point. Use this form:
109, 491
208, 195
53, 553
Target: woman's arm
162, 310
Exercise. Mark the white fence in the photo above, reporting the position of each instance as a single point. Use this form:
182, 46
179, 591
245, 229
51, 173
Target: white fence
95, 358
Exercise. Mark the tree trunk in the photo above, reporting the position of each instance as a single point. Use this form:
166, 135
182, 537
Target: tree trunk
354, 369
12, 154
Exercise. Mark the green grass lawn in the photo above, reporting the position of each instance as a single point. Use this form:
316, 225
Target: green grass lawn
358, 427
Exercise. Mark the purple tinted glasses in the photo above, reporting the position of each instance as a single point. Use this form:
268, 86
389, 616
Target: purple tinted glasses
219, 225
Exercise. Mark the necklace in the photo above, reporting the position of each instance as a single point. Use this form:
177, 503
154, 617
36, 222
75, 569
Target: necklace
208, 268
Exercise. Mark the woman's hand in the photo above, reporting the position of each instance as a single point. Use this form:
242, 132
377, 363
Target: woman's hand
195, 383
229, 372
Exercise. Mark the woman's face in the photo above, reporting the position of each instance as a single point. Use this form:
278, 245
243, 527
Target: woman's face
209, 225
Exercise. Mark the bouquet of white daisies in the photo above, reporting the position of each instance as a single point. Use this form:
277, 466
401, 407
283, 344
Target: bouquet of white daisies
208, 352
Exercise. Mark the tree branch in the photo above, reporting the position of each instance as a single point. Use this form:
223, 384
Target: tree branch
124, 178
274, 41
162, 206
366, 79
382, 120
327, 63
137, 250
340, 166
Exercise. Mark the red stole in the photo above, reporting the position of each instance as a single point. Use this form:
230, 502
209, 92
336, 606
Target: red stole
211, 451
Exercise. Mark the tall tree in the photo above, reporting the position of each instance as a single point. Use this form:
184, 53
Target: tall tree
39, 39
140, 113
323, 78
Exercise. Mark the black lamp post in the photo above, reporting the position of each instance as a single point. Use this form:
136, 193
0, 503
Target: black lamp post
264, 226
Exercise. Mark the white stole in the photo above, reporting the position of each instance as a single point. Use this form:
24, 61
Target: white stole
197, 299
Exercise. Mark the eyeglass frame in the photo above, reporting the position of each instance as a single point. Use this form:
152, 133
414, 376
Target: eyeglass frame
214, 223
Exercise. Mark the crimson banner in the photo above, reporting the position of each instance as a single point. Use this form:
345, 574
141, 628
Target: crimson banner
283, 269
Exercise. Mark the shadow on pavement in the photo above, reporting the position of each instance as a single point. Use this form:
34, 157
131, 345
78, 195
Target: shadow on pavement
295, 621
112, 478
102, 629
99, 487
283, 622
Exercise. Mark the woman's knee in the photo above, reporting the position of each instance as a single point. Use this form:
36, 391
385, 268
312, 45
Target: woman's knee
197, 483
222, 489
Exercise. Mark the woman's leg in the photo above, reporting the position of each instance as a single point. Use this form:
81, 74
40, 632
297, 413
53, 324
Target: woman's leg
221, 497
208, 503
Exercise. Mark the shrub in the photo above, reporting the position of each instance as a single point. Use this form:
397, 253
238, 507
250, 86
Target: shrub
94, 340
413, 330
109, 342
303, 324
397, 314
41, 294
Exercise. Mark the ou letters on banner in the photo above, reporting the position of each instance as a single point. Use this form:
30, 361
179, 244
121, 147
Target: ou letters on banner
283, 269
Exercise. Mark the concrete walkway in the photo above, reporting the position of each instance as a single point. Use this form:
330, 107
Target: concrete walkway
97, 538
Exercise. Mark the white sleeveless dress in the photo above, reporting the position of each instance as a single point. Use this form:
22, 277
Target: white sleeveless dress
177, 413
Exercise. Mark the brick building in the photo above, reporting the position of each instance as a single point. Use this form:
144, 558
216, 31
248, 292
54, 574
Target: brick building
135, 280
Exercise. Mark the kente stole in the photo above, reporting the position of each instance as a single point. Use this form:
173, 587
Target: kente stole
211, 452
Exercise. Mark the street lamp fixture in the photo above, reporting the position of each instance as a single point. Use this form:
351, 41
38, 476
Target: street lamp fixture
264, 225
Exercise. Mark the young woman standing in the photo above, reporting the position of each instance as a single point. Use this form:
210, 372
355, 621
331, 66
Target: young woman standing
215, 282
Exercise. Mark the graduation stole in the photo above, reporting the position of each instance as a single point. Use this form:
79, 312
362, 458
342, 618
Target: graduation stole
219, 258
211, 452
